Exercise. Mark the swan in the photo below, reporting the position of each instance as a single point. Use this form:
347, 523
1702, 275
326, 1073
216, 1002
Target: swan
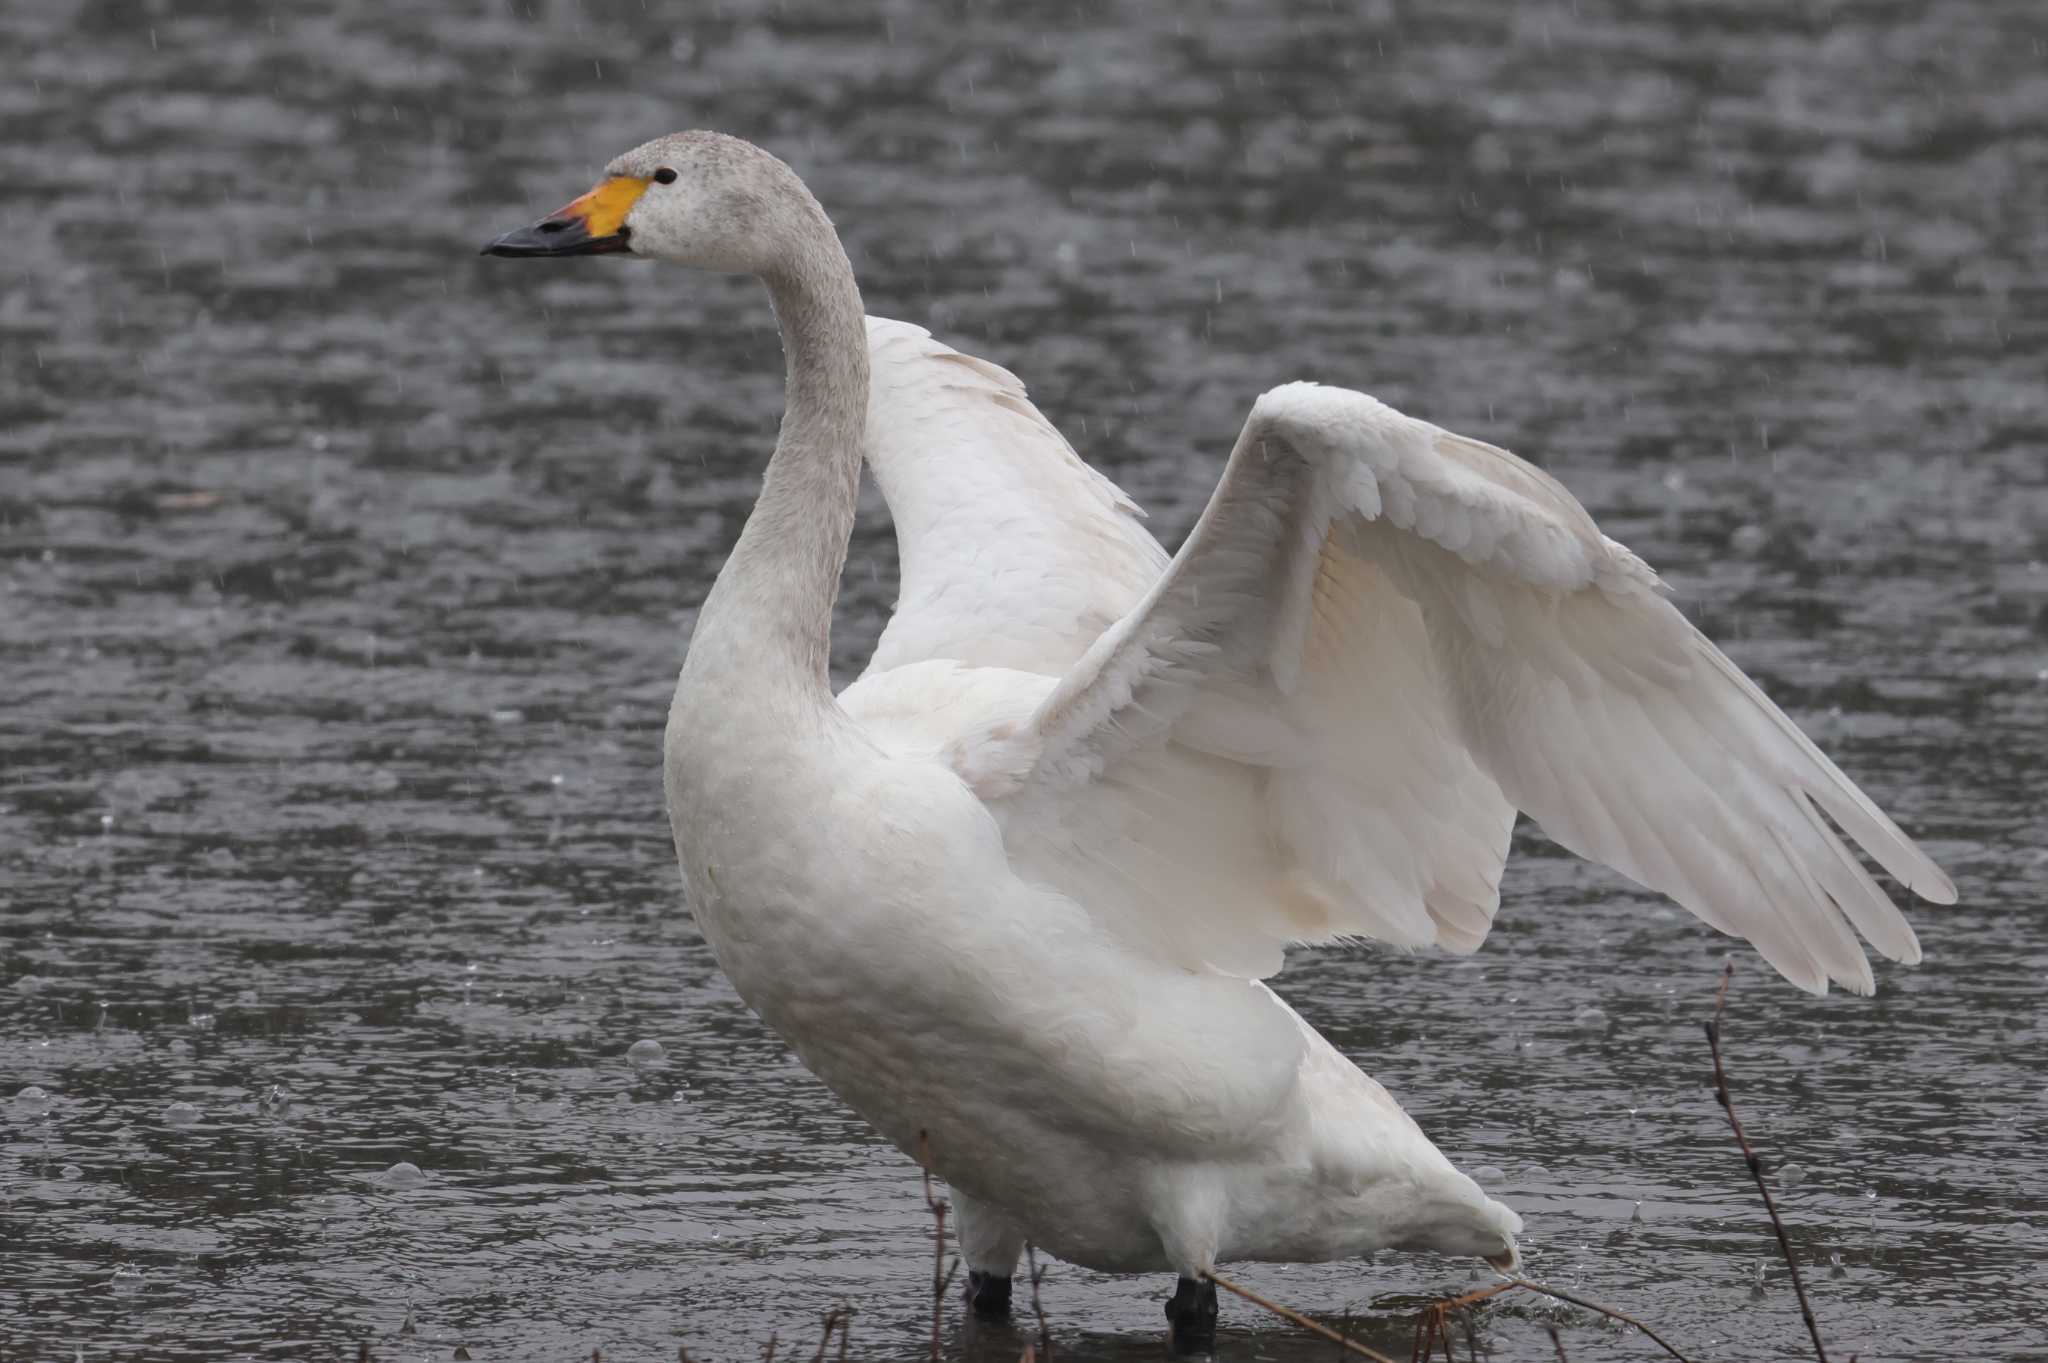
1014, 892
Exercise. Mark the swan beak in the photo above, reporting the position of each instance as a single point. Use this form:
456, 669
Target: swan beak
594, 225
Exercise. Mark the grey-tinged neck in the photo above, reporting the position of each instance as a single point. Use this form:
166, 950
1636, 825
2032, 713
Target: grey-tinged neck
768, 619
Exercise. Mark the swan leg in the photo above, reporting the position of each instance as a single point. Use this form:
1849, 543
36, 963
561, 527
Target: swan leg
1191, 1318
990, 1244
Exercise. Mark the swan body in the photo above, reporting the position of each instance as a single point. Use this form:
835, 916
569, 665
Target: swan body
1013, 893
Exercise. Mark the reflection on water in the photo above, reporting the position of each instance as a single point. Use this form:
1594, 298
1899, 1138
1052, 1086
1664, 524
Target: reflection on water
343, 576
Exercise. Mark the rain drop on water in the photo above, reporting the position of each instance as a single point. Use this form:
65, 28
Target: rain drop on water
181, 1114
127, 1279
646, 1053
1791, 1176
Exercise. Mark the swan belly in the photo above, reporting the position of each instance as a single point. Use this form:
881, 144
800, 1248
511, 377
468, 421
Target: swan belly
1125, 1113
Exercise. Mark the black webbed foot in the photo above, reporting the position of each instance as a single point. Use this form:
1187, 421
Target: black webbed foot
1191, 1319
988, 1295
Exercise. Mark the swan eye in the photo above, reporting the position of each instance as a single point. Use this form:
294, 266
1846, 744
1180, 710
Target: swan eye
664, 176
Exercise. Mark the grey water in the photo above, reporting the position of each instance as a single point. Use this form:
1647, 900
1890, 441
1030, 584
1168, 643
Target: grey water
344, 576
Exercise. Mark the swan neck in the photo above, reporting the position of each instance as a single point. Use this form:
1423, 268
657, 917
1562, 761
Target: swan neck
769, 616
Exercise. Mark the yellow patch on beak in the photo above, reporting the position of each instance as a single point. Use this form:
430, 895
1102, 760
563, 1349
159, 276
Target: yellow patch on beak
603, 210
594, 225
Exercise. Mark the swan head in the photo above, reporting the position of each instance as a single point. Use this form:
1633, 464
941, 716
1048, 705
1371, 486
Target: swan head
696, 198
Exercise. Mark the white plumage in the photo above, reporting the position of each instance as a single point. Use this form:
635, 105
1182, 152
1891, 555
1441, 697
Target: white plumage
1379, 642
1011, 894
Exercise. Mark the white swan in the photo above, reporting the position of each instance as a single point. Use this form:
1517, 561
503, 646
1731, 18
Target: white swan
1011, 895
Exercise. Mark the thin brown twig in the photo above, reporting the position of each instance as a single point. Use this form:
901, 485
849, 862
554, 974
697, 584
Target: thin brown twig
1313, 1327
1556, 1342
825, 1339
1756, 1165
1606, 1311
1038, 1306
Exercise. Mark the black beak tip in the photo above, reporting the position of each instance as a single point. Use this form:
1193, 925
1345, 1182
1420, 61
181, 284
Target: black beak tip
522, 241
556, 237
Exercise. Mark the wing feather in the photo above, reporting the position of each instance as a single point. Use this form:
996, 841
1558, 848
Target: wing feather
1383, 639
1013, 552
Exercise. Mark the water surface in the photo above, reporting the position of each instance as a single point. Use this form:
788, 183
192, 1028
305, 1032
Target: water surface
344, 576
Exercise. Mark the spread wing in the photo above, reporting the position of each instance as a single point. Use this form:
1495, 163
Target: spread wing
1379, 642
1013, 552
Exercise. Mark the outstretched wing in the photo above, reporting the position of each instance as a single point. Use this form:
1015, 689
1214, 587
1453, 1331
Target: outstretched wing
1013, 552
1380, 641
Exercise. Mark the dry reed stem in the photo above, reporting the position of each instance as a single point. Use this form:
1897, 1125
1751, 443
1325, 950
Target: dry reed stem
1606, 1311
1313, 1327
1435, 1319
768, 1352
1556, 1342
1756, 1165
